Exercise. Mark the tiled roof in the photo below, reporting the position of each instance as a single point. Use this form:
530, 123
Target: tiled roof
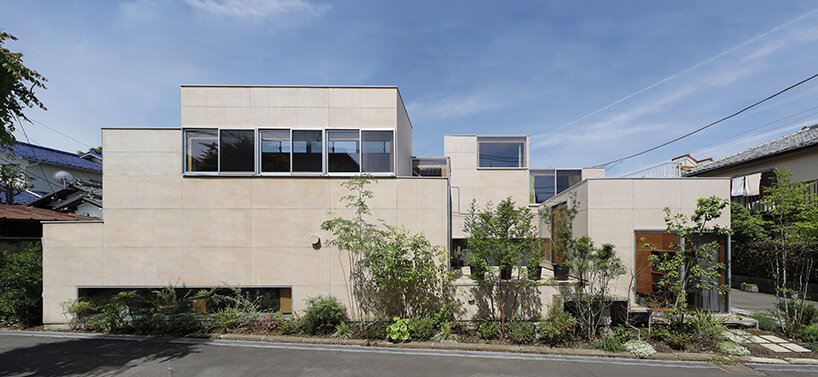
54, 156
18, 212
806, 137
21, 198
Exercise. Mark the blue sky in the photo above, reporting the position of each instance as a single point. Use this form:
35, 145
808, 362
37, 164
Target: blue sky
589, 81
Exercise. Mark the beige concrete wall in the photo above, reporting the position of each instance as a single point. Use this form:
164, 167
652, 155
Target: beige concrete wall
803, 165
612, 209
482, 185
162, 228
403, 144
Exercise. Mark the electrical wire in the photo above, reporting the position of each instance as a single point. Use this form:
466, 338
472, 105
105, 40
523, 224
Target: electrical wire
619, 160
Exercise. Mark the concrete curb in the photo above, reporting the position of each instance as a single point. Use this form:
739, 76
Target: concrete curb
568, 353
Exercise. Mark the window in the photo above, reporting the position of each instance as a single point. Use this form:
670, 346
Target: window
307, 151
343, 152
541, 185
275, 151
501, 152
430, 167
201, 151
567, 178
237, 151
377, 151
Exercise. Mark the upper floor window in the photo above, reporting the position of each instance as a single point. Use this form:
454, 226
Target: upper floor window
545, 183
236, 151
275, 151
567, 178
201, 151
501, 152
378, 147
430, 167
343, 152
307, 151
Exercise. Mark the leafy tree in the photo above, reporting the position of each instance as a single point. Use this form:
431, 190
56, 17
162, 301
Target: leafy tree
17, 85
502, 236
693, 264
747, 226
21, 285
97, 150
791, 216
13, 181
594, 268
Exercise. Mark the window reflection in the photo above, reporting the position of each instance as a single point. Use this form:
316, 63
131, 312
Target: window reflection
377, 151
343, 152
237, 151
275, 150
501, 152
202, 151
307, 151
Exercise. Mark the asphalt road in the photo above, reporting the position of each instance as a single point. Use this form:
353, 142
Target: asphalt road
26, 355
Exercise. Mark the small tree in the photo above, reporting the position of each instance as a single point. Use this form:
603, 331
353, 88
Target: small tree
21, 285
594, 268
13, 181
502, 236
17, 85
692, 264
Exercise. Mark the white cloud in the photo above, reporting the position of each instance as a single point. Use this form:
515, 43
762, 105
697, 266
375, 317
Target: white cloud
443, 107
257, 8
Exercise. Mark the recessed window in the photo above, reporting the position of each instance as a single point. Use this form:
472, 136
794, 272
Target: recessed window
201, 151
237, 151
378, 147
430, 167
275, 151
567, 178
343, 152
541, 185
501, 152
307, 151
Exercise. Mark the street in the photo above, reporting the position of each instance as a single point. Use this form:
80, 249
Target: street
27, 355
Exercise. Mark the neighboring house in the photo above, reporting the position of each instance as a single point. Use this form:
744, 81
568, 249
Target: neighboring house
42, 164
238, 193
753, 169
675, 168
20, 225
82, 198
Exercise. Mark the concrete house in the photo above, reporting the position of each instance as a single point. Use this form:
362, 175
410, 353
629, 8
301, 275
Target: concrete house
238, 192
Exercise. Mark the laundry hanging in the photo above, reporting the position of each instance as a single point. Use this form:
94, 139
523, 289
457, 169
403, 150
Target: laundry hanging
738, 186
752, 184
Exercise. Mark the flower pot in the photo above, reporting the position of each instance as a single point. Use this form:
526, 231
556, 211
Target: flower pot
534, 272
505, 272
560, 272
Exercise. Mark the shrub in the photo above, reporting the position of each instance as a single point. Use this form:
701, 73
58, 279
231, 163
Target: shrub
229, 319
675, 337
342, 331
766, 322
705, 327
78, 312
21, 286
556, 326
809, 334
611, 343
423, 328
812, 346
639, 348
374, 330
733, 349
445, 333
399, 330
809, 315
272, 323
622, 333
322, 314
488, 329
522, 332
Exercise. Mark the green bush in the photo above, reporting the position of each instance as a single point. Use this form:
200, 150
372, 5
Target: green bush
557, 326
808, 317
622, 333
611, 343
522, 332
676, 338
809, 334
21, 286
322, 314
445, 333
766, 323
375, 330
399, 330
705, 328
423, 328
342, 331
812, 346
488, 329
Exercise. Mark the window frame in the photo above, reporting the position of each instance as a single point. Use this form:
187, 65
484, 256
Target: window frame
258, 155
255, 153
323, 154
394, 153
326, 153
556, 191
185, 172
477, 152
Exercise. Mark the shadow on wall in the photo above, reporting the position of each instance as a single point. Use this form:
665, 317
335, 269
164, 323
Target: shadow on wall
88, 356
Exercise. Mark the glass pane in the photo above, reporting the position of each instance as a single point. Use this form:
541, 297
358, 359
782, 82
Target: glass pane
275, 150
541, 185
501, 152
202, 150
237, 151
377, 151
307, 151
429, 167
343, 152
567, 178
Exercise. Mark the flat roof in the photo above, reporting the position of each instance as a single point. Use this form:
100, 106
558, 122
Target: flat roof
287, 86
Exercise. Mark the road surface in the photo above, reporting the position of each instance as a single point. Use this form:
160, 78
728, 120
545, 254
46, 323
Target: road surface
23, 354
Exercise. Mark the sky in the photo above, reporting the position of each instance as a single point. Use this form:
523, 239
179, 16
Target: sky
590, 82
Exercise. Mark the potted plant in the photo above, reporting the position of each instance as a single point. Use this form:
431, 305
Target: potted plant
534, 271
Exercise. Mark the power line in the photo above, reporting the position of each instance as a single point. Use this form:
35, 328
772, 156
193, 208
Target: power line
59, 132
708, 125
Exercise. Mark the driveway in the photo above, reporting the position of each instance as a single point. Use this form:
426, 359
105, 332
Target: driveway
25, 355
754, 302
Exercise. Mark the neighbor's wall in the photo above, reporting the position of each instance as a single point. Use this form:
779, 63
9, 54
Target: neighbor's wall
803, 165
162, 228
483, 185
42, 173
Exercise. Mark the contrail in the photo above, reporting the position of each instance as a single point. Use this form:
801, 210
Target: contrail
677, 74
